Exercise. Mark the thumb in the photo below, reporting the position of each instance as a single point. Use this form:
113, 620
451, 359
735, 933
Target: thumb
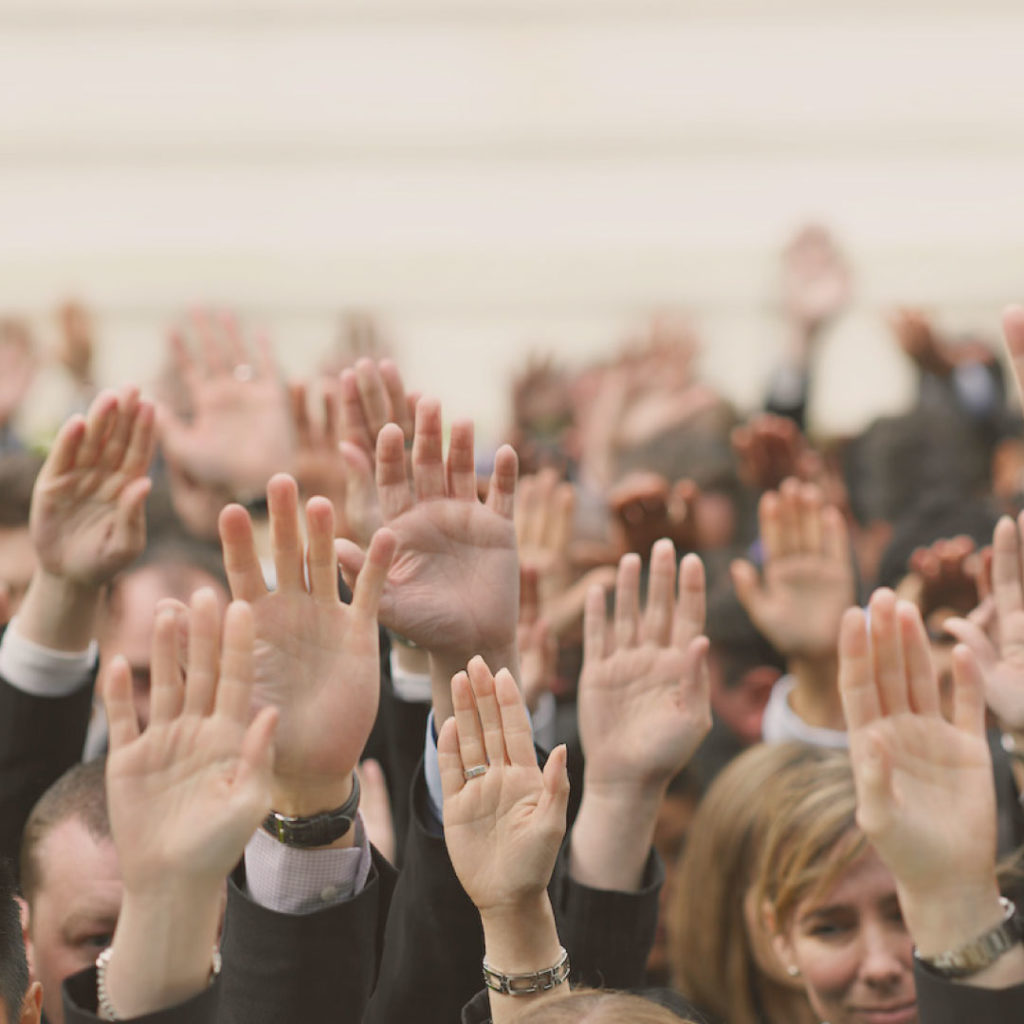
554, 802
747, 582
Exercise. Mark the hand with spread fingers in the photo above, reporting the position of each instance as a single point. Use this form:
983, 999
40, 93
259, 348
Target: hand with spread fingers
808, 575
88, 519
318, 465
770, 449
925, 793
504, 820
240, 432
317, 660
995, 631
185, 796
453, 588
644, 708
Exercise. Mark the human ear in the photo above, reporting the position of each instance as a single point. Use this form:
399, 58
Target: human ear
32, 1005
25, 912
781, 945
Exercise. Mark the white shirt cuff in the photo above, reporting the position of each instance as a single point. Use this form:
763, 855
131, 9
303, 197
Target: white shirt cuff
781, 723
41, 671
411, 687
294, 881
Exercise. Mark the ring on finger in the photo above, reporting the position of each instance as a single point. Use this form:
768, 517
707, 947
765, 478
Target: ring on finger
474, 772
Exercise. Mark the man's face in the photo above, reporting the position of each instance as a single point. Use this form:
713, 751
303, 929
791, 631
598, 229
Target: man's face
74, 910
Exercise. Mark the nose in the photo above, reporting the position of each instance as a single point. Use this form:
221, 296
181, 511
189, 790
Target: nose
887, 955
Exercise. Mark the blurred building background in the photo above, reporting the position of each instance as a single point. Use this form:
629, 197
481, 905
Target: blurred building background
496, 177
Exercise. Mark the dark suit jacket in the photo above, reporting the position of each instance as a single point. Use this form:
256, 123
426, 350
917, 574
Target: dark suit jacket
945, 1002
80, 1004
40, 739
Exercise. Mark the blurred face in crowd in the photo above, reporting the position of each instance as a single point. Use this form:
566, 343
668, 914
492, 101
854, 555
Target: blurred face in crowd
129, 626
74, 910
852, 949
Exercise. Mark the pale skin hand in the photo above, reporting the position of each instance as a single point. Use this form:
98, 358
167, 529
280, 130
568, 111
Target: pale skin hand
88, 517
240, 431
17, 367
317, 660
503, 829
371, 395
319, 468
925, 796
453, 588
815, 281
644, 708
1000, 657
185, 797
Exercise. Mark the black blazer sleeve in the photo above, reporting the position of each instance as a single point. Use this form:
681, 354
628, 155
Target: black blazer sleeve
318, 967
40, 739
79, 995
946, 1002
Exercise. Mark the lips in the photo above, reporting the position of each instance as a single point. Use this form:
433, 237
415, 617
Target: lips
894, 1013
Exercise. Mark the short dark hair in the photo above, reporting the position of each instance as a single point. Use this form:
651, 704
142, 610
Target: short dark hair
81, 793
13, 964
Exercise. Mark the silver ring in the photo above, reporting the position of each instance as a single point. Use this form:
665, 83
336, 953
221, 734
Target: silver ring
474, 772
243, 372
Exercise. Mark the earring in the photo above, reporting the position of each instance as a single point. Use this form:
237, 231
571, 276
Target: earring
793, 971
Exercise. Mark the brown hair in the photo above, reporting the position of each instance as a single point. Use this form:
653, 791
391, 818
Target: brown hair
813, 838
81, 793
710, 947
591, 1006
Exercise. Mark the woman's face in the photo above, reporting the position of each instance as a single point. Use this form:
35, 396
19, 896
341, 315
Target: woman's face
852, 950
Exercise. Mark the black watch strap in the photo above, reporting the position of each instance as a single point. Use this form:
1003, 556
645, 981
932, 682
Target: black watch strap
318, 829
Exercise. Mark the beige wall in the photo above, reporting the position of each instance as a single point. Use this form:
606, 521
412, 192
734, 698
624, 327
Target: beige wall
498, 175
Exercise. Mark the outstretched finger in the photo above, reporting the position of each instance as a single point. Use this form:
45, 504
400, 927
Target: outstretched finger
321, 561
596, 641
234, 691
401, 411
373, 573
515, 723
64, 453
627, 601
887, 651
166, 686
117, 442
203, 653
857, 686
449, 760
969, 708
482, 682
1006, 571
372, 394
922, 684
393, 491
99, 423
428, 471
461, 469
554, 802
122, 722
470, 731
691, 602
241, 563
501, 494
141, 442
355, 429
285, 536
661, 588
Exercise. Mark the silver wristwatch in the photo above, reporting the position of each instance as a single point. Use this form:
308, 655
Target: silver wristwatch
980, 953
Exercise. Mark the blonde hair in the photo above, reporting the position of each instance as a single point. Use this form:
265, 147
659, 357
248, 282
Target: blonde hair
813, 838
592, 1006
710, 947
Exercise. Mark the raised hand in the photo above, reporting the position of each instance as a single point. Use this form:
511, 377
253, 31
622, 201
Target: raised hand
453, 588
17, 367
372, 394
318, 468
944, 577
808, 576
316, 660
644, 703
815, 279
88, 507
925, 795
503, 828
185, 797
995, 631
770, 449
645, 509
240, 431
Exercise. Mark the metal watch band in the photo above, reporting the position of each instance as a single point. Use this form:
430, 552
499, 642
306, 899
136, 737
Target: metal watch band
980, 953
527, 984
318, 829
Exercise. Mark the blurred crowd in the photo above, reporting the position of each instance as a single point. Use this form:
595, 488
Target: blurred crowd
312, 711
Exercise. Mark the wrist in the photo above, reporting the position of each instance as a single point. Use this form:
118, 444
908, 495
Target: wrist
521, 936
59, 613
815, 698
445, 664
941, 919
297, 798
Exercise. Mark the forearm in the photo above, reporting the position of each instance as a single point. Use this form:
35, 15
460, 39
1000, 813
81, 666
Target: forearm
815, 697
57, 613
162, 952
612, 836
521, 941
